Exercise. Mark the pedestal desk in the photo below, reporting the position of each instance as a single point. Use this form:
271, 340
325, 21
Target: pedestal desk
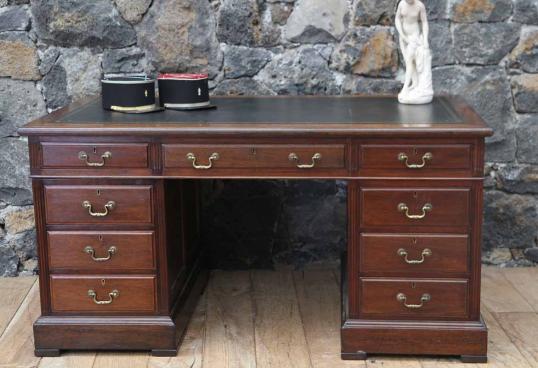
117, 216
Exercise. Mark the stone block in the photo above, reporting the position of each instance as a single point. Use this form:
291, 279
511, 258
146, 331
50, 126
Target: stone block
525, 91
487, 90
186, 40
241, 61
525, 54
527, 131
95, 23
132, 10
525, 11
14, 18
312, 21
484, 43
18, 220
356, 85
18, 56
520, 179
367, 51
469, 11
241, 87
510, 220
20, 103
129, 60
441, 43
299, 71
15, 188
371, 12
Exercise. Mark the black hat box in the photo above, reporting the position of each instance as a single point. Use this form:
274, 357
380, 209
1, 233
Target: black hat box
131, 94
180, 91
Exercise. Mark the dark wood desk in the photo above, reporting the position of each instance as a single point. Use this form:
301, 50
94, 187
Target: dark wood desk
117, 216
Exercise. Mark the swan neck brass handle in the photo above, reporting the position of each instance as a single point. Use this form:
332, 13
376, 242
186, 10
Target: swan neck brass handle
111, 251
402, 207
191, 157
425, 253
111, 296
428, 156
110, 205
83, 156
401, 297
294, 158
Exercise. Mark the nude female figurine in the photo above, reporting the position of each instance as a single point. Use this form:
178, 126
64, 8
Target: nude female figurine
412, 26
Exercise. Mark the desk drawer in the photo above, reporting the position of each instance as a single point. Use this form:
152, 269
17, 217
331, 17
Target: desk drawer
94, 156
103, 294
413, 207
402, 253
413, 298
101, 251
415, 156
263, 156
103, 204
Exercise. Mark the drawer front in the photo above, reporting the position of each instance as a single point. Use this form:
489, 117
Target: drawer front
101, 251
415, 158
255, 156
94, 156
112, 204
401, 253
413, 298
411, 207
103, 294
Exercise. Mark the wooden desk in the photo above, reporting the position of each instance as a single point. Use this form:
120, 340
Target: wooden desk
117, 216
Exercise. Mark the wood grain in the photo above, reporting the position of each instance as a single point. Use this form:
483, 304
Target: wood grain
17, 342
318, 296
524, 280
13, 292
280, 339
191, 351
522, 328
499, 295
230, 321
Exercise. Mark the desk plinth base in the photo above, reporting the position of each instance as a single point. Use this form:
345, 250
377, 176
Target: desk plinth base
465, 339
159, 334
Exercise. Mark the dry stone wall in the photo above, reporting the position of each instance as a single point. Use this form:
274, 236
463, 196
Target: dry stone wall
53, 52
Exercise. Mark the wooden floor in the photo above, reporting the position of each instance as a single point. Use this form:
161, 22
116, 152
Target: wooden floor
279, 319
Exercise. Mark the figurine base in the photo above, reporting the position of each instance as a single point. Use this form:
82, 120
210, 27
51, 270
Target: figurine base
415, 100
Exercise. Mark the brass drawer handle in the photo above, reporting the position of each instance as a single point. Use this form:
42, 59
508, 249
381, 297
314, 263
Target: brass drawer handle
293, 157
428, 156
111, 296
83, 156
108, 207
214, 157
401, 297
111, 251
402, 207
425, 253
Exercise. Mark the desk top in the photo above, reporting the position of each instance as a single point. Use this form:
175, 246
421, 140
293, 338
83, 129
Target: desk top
305, 115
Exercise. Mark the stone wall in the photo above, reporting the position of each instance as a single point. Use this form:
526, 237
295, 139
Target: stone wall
53, 52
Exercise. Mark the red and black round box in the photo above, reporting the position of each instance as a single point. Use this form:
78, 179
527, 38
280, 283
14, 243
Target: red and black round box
184, 91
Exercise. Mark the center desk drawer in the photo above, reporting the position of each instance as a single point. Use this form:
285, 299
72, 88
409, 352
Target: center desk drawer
94, 156
413, 298
268, 156
101, 251
103, 294
107, 204
414, 207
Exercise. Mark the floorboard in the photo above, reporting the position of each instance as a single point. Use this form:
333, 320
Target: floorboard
12, 291
280, 319
229, 341
280, 339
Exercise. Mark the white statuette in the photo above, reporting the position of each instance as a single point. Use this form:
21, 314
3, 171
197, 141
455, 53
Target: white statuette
412, 26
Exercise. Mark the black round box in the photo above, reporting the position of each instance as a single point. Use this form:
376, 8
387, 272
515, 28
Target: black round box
183, 91
128, 93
